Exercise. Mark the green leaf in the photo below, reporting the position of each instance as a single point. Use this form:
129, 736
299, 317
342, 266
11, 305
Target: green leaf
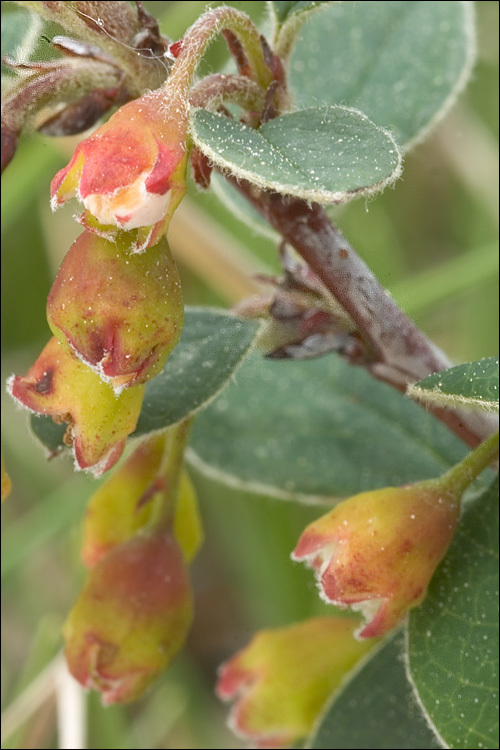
212, 346
453, 635
286, 9
472, 384
317, 427
327, 154
376, 708
20, 34
401, 63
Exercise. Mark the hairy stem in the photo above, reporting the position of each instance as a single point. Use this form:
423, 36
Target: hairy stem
197, 38
220, 88
463, 474
394, 349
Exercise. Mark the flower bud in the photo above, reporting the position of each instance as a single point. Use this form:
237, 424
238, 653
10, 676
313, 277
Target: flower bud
98, 420
130, 174
131, 618
377, 551
284, 677
119, 313
126, 502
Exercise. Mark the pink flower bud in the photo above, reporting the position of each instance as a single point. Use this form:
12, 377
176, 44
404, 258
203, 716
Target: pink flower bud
283, 678
119, 313
131, 618
377, 551
98, 420
131, 173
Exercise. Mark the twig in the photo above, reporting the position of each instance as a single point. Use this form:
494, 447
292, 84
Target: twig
394, 350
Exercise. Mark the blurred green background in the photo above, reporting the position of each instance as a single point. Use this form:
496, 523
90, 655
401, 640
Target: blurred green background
431, 241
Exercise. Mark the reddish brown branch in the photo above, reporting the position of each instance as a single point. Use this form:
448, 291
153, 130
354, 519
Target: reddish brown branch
395, 350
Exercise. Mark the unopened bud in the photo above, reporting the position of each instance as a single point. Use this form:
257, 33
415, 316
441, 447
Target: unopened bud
99, 421
377, 551
119, 313
130, 174
283, 678
131, 618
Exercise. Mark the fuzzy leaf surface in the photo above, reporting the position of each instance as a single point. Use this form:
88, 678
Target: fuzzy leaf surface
376, 709
401, 63
472, 384
453, 635
326, 154
318, 427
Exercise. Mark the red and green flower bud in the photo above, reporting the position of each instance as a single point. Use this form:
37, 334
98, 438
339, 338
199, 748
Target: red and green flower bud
377, 551
99, 421
126, 502
119, 313
131, 618
131, 173
283, 678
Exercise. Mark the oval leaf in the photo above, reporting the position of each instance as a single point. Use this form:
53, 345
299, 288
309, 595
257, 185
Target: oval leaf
453, 635
317, 427
376, 709
328, 154
212, 346
472, 384
401, 63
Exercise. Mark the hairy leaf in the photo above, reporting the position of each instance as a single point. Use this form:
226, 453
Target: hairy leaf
318, 427
328, 154
401, 63
376, 708
472, 384
453, 635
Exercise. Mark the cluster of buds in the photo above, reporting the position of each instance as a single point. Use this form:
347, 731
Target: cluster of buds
375, 552
115, 308
100, 67
116, 313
